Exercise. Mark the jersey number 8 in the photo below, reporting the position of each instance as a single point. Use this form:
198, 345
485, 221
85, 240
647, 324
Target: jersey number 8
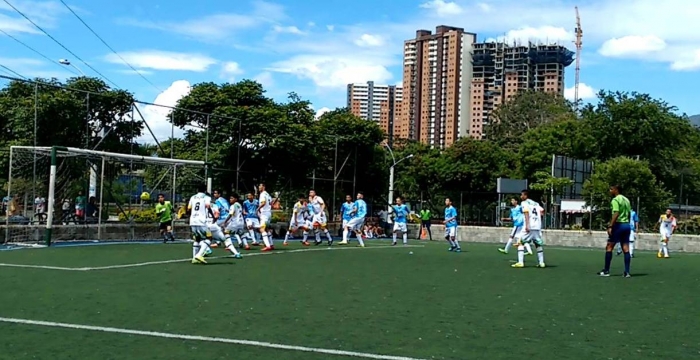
196, 206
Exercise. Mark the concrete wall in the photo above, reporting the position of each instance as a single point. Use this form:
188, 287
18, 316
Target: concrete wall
495, 235
569, 238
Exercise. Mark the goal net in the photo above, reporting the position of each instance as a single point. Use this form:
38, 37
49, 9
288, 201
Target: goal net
58, 194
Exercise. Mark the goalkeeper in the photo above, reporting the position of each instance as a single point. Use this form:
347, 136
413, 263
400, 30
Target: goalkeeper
164, 211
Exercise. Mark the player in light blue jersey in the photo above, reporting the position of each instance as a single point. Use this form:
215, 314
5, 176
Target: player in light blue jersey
400, 211
518, 219
451, 226
347, 213
223, 206
252, 222
359, 212
634, 225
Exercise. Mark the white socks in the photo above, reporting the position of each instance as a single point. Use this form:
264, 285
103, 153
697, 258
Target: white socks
203, 247
405, 238
195, 249
251, 233
521, 254
394, 237
631, 247
230, 247
540, 255
318, 236
266, 238
359, 239
345, 235
663, 249
306, 236
328, 235
528, 248
508, 244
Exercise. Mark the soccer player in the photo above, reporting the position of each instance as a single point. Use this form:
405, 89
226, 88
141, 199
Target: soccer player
217, 233
234, 224
451, 226
359, 212
531, 232
347, 212
223, 207
164, 210
199, 209
634, 225
320, 223
667, 225
250, 211
265, 214
516, 216
618, 230
299, 221
400, 211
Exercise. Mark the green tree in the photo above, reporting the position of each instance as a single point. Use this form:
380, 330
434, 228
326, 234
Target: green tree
636, 181
527, 110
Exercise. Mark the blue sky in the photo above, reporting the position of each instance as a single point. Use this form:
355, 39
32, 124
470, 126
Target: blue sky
316, 47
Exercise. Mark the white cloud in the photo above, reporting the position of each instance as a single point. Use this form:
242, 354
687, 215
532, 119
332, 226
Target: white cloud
585, 92
443, 8
287, 30
265, 79
322, 111
164, 60
44, 13
137, 72
330, 27
157, 116
333, 71
484, 7
230, 69
632, 46
688, 63
368, 40
311, 24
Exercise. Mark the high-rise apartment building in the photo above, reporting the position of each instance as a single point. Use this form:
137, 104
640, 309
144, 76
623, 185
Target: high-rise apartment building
500, 71
437, 73
380, 103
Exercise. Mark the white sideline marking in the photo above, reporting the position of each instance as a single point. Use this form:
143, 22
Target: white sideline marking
207, 339
189, 259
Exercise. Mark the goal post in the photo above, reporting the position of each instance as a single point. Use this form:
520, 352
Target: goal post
52, 194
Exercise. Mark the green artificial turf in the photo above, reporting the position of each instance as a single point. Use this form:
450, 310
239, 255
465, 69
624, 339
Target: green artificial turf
431, 304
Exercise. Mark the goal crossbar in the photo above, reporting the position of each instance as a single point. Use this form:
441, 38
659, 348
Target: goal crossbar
106, 154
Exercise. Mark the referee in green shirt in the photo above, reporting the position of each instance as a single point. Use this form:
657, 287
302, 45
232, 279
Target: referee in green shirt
618, 230
425, 222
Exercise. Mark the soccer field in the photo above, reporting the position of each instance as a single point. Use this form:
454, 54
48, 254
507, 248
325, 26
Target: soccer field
380, 302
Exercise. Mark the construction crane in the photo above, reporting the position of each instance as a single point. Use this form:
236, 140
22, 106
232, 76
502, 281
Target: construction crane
579, 43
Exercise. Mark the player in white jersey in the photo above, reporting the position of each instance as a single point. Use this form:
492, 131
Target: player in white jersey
217, 232
531, 232
265, 214
235, 224
320, 222
198, 210
667, 225
298, 221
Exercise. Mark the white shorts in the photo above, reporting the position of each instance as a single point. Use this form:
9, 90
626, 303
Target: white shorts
320, 219
355, 224
665, 235
633, 235
199, 232
345, 223
400, 227
450, 231
516, 230
532, 235
299, 224
265, 220
235, 227
216, 232
252, 222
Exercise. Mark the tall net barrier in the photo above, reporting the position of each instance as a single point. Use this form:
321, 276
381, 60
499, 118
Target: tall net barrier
92, 196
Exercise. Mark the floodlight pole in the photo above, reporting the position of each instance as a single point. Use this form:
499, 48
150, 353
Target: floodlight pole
391, 178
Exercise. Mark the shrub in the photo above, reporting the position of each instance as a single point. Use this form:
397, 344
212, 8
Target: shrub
139, 216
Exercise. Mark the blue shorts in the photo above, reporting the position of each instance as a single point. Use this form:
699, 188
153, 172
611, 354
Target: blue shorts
620, 233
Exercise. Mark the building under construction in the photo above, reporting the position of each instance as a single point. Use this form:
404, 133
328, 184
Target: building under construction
501, 70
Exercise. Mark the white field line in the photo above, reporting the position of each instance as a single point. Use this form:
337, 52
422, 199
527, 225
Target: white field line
261, 344
111, 267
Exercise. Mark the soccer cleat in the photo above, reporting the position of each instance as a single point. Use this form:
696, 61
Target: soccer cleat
344, 242
502, 251
266, 249
194, 261
284, 243
305, 243
330, 243
458, 250
208, 253
200, 259
541, 265
666, 256
393, 243
518, 265
451, 248
604, 273
238, 256
247, 247
627, 275
618, 253
361, 245
659, 255
256, 244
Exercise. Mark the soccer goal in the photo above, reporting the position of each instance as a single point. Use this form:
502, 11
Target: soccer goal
57, 194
